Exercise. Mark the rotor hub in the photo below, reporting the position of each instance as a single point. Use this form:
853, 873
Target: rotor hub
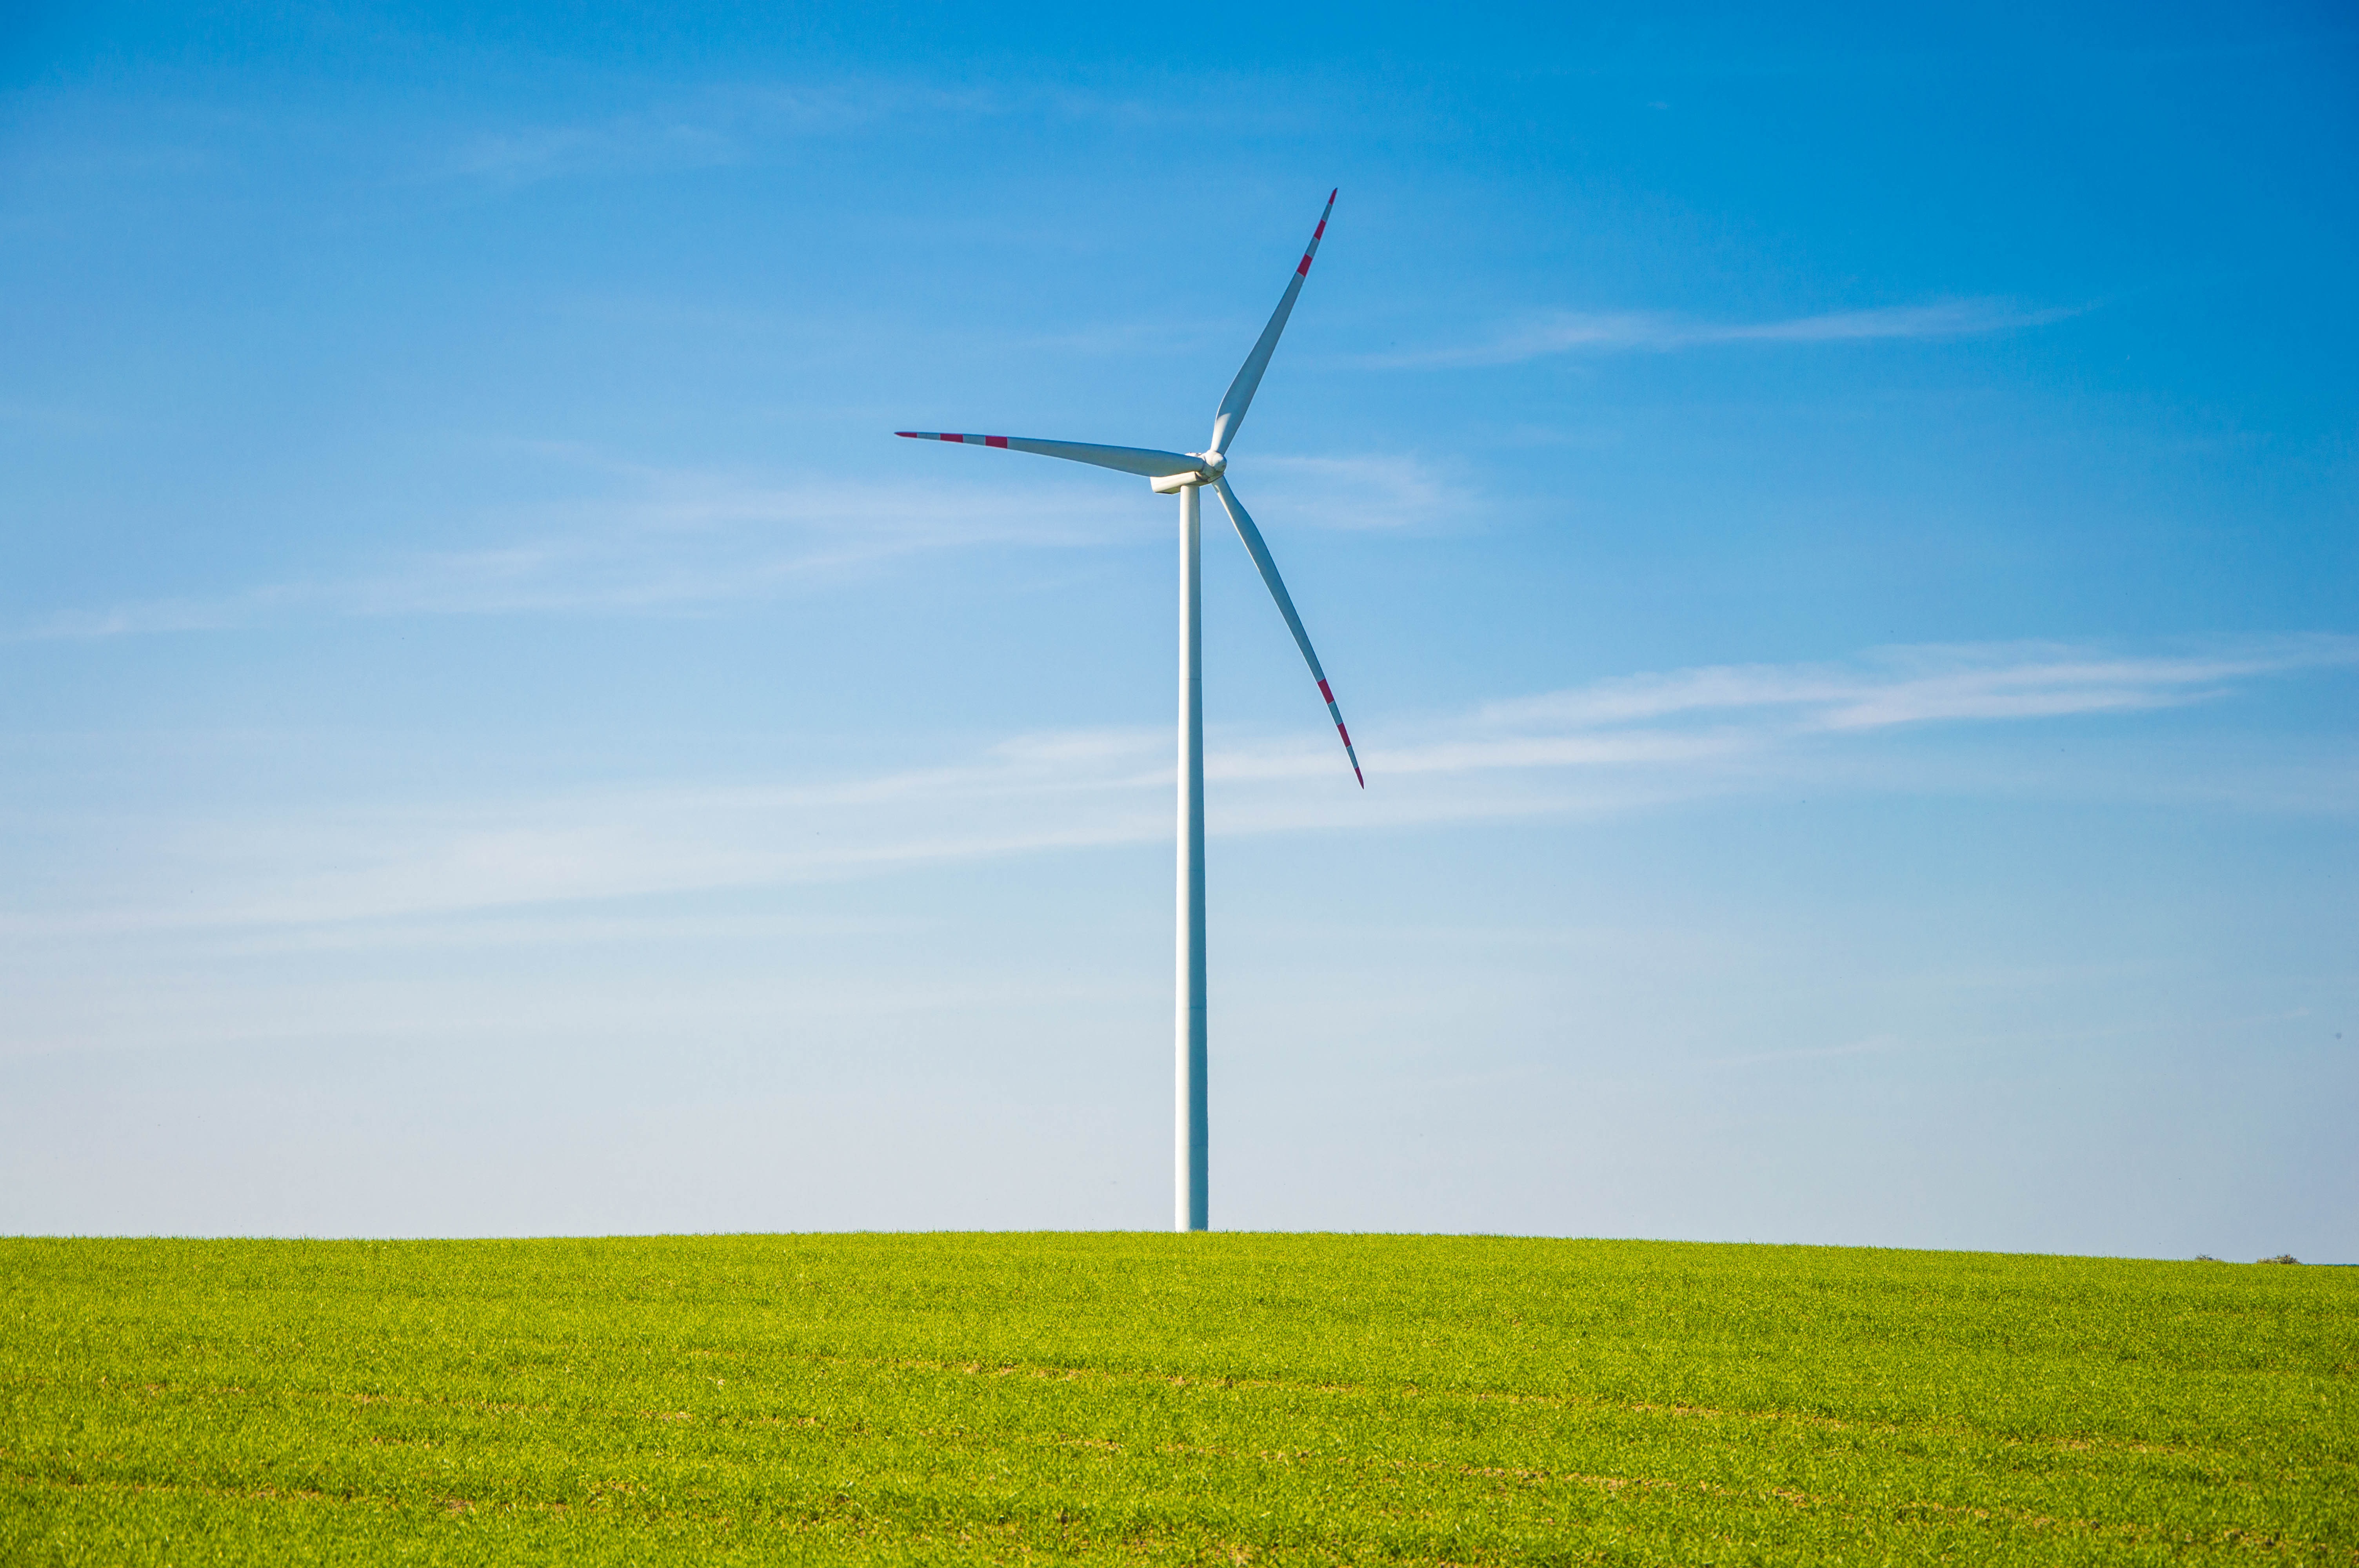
1209, 467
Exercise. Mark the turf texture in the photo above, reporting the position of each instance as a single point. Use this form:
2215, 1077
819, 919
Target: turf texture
1147, 1398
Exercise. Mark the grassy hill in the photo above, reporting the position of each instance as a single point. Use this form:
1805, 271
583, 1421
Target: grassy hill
1147, 1399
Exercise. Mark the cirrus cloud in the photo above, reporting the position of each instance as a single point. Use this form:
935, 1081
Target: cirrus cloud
1551, 332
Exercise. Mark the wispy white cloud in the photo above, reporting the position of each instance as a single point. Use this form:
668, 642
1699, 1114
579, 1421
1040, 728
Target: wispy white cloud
669, 540
1626, 744
716, 127
738, 122
1917, 684
1360, 491
635, 143
689, 539
1567, 332
677, 541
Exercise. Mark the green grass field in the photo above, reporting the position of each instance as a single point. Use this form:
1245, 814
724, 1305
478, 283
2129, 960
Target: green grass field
1149, 1398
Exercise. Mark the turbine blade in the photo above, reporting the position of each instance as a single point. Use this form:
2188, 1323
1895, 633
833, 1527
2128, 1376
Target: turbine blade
1241, 391
1269, 569
1128, 460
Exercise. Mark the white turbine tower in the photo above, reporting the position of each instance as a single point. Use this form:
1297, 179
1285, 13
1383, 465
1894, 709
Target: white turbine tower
1185, 473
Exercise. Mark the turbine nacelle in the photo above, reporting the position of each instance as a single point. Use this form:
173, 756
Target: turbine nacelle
1214, 465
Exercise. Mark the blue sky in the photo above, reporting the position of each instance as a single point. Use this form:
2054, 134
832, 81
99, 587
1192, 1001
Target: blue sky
1834, 533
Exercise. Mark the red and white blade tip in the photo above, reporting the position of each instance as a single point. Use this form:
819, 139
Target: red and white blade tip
953, 436
1337, 715
1302, 268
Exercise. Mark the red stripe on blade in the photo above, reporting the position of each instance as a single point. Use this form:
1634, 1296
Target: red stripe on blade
1304, 269
994, 441
1343, 732
1325, 692
949, 437
1319, 233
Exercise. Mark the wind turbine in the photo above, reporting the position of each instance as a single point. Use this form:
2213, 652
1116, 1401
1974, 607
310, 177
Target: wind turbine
1185, 473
